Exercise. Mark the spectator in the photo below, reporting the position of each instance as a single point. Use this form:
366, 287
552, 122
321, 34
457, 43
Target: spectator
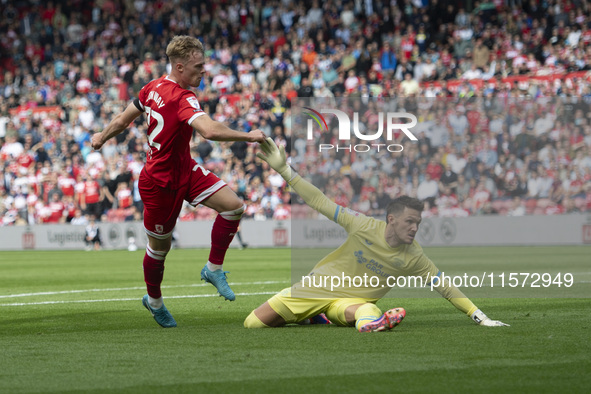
517, 207
409, 86
449, 178
79, 219
91, 197
86, 75
92, 237
427, 189
388, 60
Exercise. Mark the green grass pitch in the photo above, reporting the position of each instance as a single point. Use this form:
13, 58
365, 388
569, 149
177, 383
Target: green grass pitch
72, 322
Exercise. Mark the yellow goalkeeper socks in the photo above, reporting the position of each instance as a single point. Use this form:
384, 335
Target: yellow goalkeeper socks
366, 313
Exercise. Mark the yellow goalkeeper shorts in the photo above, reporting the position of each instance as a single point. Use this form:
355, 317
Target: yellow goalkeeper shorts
294, 310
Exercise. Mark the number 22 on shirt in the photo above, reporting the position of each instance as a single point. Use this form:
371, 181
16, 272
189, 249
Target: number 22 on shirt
159, 125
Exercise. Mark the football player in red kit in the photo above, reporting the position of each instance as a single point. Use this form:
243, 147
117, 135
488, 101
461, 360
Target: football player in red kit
171, 175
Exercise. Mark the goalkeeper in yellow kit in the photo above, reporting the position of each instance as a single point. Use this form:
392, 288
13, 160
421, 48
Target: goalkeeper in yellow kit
374, 248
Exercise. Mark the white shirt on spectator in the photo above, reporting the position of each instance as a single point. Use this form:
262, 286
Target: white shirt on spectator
14, 149
83, 85
351, 83
246, 79
359, 167
94, 157
544, 125
140, 5
272, 199
427, 189
459, 123
281, 213
221, 82
410, 86
3, 122
314, 17
276, 180
496, 125
428, 69
517, 211
79, 221
573, 38
534, 186
545, 186
86, 117
347, 17
516, 128
473, 73
456, 163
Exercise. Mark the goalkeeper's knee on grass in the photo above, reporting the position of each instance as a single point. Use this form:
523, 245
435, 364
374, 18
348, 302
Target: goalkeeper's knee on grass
252, 321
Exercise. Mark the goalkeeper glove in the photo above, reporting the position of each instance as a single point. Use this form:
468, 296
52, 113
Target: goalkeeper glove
483, 320
276, 158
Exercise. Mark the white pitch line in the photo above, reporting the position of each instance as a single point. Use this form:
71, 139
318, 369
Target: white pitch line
129, 299
131, 288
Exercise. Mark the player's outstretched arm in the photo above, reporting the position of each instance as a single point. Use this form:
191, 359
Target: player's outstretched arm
276, 158
315, 199
483, 320
463, 303
116, 126
217, 131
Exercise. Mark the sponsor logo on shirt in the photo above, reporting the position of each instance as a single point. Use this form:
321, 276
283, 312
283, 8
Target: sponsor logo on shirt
194, 103
359, 255
352, 212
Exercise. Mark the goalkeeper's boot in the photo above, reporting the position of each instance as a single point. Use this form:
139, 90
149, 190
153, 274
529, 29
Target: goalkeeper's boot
218, 279
387, 321
161, 315
318, 319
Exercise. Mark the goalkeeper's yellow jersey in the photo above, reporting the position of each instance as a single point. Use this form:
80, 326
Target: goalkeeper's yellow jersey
371, 264
365, 254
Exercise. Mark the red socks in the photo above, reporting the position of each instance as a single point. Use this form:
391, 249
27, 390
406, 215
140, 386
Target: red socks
224, 229
222, 234
154, 271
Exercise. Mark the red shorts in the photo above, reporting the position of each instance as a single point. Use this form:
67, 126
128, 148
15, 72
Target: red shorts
162, 206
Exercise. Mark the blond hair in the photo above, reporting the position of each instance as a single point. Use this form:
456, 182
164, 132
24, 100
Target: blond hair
181, 48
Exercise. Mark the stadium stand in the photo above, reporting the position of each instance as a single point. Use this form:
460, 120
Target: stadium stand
502, 90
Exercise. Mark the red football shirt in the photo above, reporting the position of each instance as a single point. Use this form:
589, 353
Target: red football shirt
170, 109
92, 192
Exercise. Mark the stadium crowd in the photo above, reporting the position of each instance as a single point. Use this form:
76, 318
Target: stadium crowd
500, 90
